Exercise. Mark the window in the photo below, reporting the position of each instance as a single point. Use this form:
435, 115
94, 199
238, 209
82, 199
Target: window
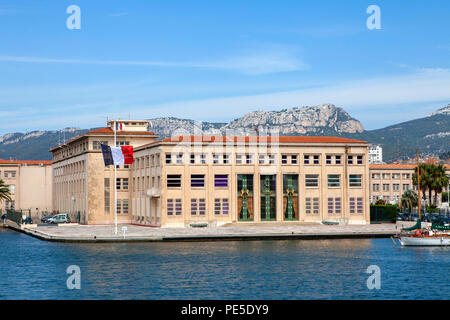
194, 207
308, 206
262, 159
192, 158
352, 205
215, 158
203, 158
350, 160
122, 143
221, 180
216, 206
168, 158
312, 180
12, 188
226, 158
119, 206
375, 176
328, 159
169, 207
107, 196
239, 159
359, 159
197, 180
376, 187
385, 187
179, 158
396, 176
330, 206
201, 207
271, 158
122, 183
386, 176
96, 145
283, 159
316, 159
173, 180
178, 207
405, 187
248, 159
405, 176
294, 159
338, 159
306, 159
355, 180
396, 187
334, 205
225, 206
359, 205
334, 180
125, 206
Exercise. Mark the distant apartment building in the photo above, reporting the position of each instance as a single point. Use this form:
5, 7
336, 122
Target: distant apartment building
29, 183
83, 186
389, 181
214, 180
375, 154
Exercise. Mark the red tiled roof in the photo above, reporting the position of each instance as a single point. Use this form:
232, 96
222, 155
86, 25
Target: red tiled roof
30, 162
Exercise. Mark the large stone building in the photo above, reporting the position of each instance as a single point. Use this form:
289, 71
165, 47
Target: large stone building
30, 185
83, 186
215, 180
389, 181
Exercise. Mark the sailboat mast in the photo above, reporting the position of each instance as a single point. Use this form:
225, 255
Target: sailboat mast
418, 180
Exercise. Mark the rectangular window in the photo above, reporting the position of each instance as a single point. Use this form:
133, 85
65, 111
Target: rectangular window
226, 158
386, 176
271, 158
312, 180
308, 206
283, 159
239, 159
376, 187
122, 143
178, 207
306, 159
262, 159
221, 180
406, 176
173, 180
338, 159
124, 183
359, 205
197, 180
350, 160
170, 207
293, 159
248, 159
125, 206
359, 159
216, 206
375, 176
225, 206
330, 206
316, 159
328, 159
396, 176
96, 144
194, 207
396, 187
203, 158
352, 205
201, 207
119, 206
337, 204
405, 187
334, 180
168, 158
385, 187
107, 195
179, 158
355, 180
316, 205
192, 158
215, 158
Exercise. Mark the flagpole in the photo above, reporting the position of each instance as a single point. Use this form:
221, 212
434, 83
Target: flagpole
115, 183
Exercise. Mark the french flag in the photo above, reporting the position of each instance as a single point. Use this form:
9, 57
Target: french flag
117, 155
119, 126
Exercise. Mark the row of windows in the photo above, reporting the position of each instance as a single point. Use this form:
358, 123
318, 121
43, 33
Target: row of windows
96, 145
395, 187
221, 206
8, 174
177, 158
388, 176
122, 206
221, 180
148, 161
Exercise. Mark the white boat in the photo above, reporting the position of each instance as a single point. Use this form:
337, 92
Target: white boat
430, 240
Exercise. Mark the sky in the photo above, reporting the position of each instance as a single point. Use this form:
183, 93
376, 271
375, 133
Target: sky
217, 60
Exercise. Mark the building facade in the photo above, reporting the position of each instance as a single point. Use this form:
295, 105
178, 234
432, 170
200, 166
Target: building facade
180, 181
375, 154
29, 183
389, 181
83, 186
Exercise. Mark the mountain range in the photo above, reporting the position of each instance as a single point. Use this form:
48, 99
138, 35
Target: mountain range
431, 133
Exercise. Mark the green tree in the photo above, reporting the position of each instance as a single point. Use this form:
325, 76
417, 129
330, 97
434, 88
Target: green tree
439, 180
425, 179
409, 200
5, 194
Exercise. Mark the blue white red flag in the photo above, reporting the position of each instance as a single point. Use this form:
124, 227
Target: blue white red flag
117, 155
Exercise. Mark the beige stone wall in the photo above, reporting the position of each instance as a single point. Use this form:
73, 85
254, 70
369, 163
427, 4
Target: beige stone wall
210, 192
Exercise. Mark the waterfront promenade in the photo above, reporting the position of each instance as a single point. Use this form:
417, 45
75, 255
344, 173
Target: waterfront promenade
84, 233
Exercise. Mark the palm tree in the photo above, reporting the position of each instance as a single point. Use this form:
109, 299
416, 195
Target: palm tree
425, 178
409, 199
439, 180
5, 194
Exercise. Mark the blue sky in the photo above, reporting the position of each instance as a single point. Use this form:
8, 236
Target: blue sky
217, 60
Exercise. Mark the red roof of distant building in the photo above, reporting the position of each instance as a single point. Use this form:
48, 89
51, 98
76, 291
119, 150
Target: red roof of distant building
30, 162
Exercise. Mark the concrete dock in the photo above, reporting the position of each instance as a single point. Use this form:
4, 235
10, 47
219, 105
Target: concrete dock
256, 231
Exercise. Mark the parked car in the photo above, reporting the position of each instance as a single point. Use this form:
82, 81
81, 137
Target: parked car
59, 218
27, 220
45, 219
